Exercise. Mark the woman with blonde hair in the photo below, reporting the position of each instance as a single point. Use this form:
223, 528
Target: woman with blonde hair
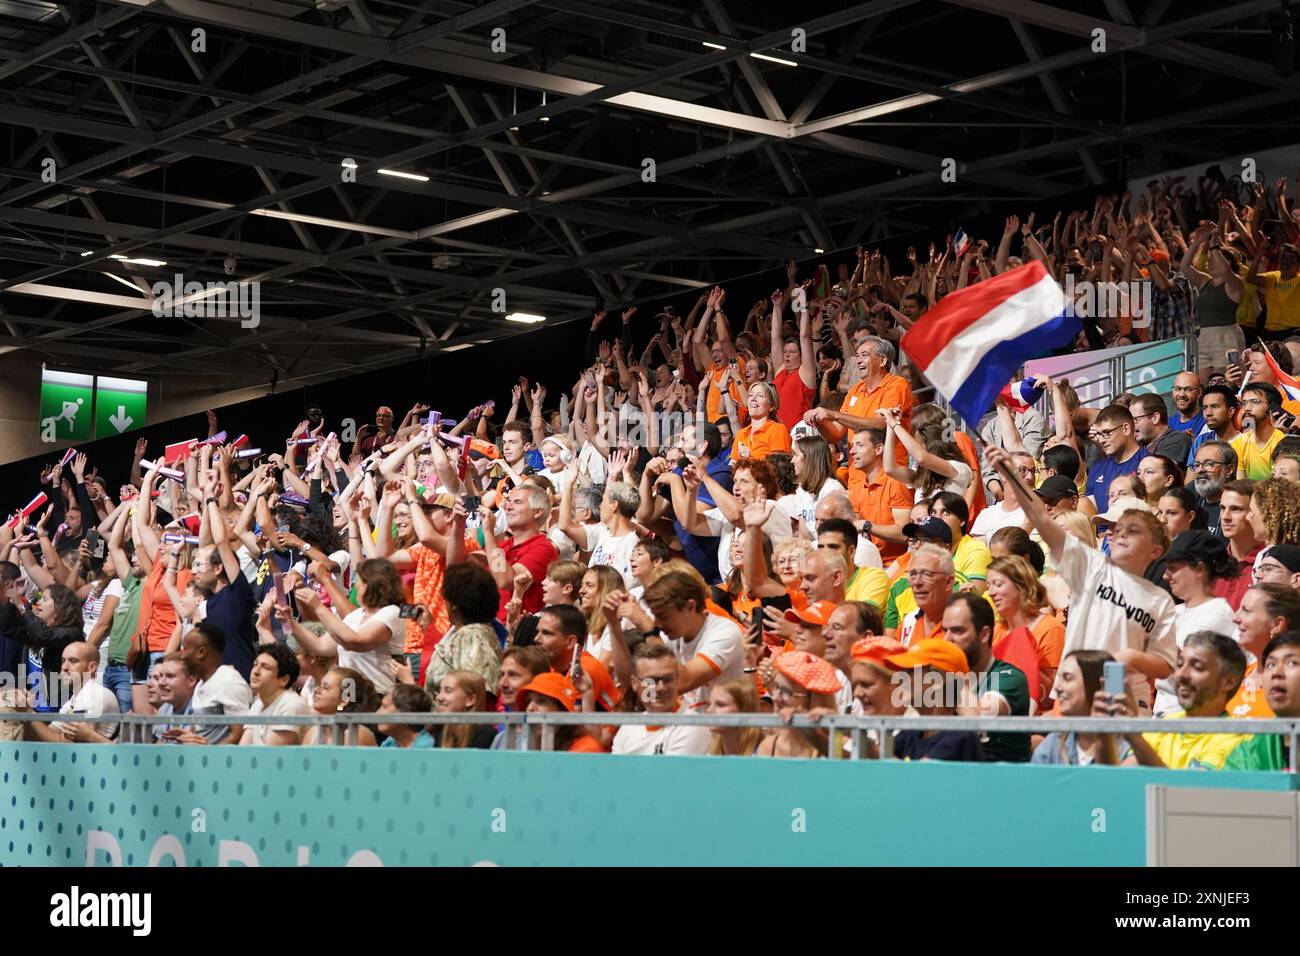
1077, 524
787, 561
598, 583
461, 692
734, 697
1020, 599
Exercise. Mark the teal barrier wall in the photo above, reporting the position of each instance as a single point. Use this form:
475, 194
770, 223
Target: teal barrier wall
141, 805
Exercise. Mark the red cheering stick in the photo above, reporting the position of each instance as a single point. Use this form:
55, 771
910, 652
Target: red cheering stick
239, 442
39, 501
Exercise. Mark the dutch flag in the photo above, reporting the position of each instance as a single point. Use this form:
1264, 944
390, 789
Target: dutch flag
1288, 385
970, 344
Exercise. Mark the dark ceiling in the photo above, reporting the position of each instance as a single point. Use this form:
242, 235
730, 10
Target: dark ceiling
163, 153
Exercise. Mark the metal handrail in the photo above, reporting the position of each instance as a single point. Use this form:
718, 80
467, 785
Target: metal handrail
1095, 725
857, 725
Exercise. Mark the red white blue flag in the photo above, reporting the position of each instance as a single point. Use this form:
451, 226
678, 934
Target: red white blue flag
971, 344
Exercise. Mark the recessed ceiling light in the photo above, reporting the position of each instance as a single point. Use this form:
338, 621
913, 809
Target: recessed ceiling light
527, 318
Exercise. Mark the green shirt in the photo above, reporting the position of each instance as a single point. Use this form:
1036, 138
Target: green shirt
126, 619
1009, 681
900, 602
1258, 752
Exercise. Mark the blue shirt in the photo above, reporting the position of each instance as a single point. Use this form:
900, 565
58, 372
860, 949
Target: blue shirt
1192, 425
423, 741
701, 550
533, 459
231, 609
1103, 472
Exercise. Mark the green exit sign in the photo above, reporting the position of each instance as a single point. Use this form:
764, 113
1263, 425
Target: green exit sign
66, 399
120, 405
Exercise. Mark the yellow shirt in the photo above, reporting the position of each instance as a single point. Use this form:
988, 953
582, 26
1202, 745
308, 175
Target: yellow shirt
1194, 751
971, 558
1254, 461
1282, 301
868, 584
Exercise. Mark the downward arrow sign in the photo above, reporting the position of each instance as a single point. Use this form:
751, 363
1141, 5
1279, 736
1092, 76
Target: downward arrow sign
121, 421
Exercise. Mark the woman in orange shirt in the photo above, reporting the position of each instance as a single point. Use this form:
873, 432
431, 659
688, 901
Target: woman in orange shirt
1021, 601
764, 434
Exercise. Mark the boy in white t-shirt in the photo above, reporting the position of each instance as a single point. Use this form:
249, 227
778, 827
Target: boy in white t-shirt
275, 671
708, 646
1112, 608
657, 670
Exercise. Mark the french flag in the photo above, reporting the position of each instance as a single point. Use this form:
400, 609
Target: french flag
960, 243
970, 344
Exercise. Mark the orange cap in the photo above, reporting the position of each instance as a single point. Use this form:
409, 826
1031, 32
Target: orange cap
874, 649
931, 652
552, 684
809, 671
818, 613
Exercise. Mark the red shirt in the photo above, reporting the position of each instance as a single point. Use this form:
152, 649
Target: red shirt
536, 554
1233, 590
796, 397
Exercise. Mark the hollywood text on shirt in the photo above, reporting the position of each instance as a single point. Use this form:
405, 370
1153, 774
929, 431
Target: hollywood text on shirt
1143, 618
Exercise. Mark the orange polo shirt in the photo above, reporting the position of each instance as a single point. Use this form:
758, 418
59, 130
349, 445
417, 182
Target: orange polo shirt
875, 499
893, 391
758, 442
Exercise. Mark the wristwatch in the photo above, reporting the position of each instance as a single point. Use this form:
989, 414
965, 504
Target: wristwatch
866, 527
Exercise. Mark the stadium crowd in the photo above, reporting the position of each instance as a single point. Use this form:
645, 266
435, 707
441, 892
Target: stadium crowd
767, 512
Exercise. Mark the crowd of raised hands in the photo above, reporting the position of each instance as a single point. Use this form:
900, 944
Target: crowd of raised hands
773, 508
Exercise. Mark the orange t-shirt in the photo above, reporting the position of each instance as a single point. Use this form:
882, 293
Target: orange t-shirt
426, 589
586, 744
967, 448
1049, 642
1250, 701
713, 407
876, 500
758, 442
157, 615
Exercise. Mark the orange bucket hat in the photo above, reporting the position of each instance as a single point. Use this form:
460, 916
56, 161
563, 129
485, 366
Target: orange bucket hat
551, 684
812, 673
